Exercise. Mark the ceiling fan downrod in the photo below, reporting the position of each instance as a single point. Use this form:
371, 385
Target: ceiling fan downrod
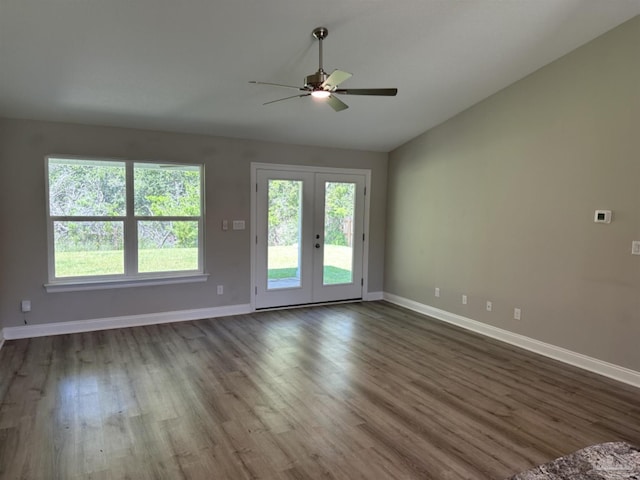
320, 76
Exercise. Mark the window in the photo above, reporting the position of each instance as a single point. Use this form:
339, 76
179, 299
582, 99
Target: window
111, 220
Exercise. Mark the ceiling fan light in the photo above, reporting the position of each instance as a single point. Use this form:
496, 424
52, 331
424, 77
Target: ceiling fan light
320, 94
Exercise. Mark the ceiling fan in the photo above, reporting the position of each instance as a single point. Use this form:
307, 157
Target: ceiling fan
324, 86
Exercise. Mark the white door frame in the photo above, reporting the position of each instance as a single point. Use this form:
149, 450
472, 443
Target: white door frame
304, 168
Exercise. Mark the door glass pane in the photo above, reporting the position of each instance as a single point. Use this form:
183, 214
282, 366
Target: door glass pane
284, 232
167, 246
339, 209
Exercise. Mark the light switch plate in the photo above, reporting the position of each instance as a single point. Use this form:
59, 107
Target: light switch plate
238, 224
635, 247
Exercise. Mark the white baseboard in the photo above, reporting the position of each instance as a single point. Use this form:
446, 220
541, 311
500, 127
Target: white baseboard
29, 331
591, 364
373, 296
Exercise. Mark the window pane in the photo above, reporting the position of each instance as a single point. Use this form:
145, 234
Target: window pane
166, 190
167, 246
338, 232
88, 188
88, 248
284, 230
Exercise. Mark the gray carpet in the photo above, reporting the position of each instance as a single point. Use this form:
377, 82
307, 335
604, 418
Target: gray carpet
607, 461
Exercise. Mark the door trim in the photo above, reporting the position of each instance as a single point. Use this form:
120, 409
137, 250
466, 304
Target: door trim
255, 166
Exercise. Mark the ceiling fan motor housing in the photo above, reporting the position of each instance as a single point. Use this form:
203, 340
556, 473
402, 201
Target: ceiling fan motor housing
314, 81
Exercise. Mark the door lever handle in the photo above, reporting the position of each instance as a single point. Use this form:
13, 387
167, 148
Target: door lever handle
317, 245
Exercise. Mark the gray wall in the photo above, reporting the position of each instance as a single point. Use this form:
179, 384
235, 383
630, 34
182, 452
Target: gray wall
23, 249
498, 203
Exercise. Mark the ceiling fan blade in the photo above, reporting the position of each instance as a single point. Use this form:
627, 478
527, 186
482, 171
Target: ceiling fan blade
335, 79
337, 104
275, 85
287, 98
381, 92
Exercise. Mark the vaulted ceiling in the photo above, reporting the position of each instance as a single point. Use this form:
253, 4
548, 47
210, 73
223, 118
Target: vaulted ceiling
184, 66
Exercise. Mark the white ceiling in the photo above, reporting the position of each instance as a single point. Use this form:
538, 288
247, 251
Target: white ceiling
184, 66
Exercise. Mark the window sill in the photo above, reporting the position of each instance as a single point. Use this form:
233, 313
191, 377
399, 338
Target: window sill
79, 286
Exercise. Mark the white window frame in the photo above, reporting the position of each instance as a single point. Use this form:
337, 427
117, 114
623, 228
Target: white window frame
131, 277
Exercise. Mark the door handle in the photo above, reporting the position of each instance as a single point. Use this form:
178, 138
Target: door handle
317, 245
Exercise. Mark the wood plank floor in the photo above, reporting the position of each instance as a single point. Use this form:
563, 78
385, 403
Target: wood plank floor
347, 391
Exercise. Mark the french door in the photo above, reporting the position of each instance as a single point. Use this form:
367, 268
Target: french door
309, 237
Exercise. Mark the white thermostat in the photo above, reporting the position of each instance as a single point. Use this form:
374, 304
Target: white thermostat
602, 216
